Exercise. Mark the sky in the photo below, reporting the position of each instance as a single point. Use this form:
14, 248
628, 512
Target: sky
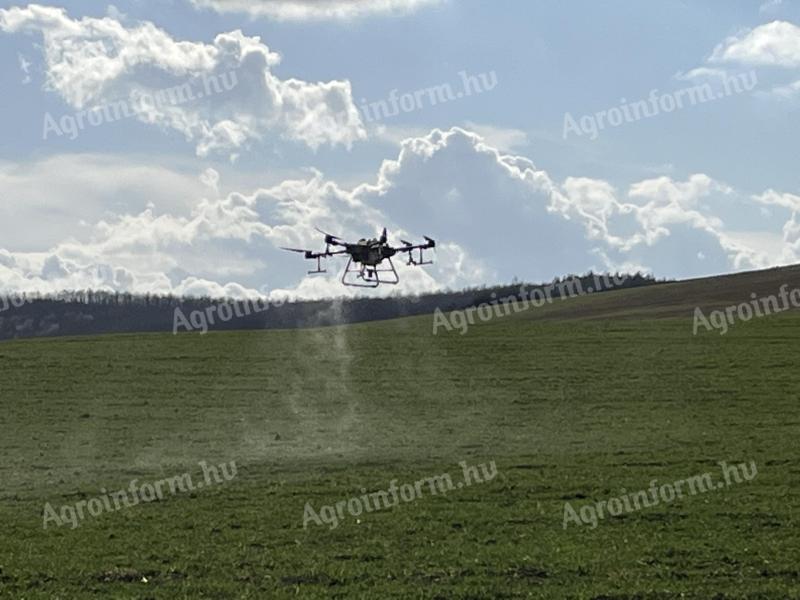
176, 146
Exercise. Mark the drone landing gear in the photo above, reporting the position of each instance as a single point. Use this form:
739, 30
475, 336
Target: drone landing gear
319, 268
421, 261
356, 275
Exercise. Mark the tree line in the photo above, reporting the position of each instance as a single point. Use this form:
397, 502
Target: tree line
89, 312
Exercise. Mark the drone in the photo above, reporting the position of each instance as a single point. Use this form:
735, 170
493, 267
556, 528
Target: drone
365, 258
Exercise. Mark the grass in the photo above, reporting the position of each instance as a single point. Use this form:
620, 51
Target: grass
571, 410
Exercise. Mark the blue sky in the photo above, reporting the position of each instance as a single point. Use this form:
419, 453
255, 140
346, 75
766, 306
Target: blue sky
197, 197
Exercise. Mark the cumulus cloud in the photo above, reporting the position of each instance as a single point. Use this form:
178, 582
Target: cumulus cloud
773, 44
511, 218
65, 195
210, 177
507, 139
220, 96
300, 10
494, 215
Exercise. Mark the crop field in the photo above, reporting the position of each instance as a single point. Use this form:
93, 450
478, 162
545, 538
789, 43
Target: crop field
578, 402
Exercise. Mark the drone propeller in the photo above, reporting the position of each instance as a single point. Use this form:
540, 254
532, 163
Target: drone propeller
326, 234
405, 243
330, 238
336, 237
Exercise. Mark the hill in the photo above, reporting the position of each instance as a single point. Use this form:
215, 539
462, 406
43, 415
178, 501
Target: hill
680, 298
581, 403
90, 312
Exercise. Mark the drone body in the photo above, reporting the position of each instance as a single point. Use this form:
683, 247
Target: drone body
365, 258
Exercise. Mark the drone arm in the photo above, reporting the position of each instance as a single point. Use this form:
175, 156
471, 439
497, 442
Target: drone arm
409, 248
318, 256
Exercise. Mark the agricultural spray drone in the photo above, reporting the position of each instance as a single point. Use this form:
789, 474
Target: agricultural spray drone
365, 258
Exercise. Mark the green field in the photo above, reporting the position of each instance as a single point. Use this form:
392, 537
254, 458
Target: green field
574, 403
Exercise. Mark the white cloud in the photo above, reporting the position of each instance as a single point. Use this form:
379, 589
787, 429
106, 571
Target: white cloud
708, 73
210, 177
771, 197
502, 138
770, 6
44, 202
788, 91
299, 10
494, 215
772, 44
220, 96
775, 44
506, 139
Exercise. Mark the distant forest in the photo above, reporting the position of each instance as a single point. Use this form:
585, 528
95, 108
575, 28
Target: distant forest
95, 312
